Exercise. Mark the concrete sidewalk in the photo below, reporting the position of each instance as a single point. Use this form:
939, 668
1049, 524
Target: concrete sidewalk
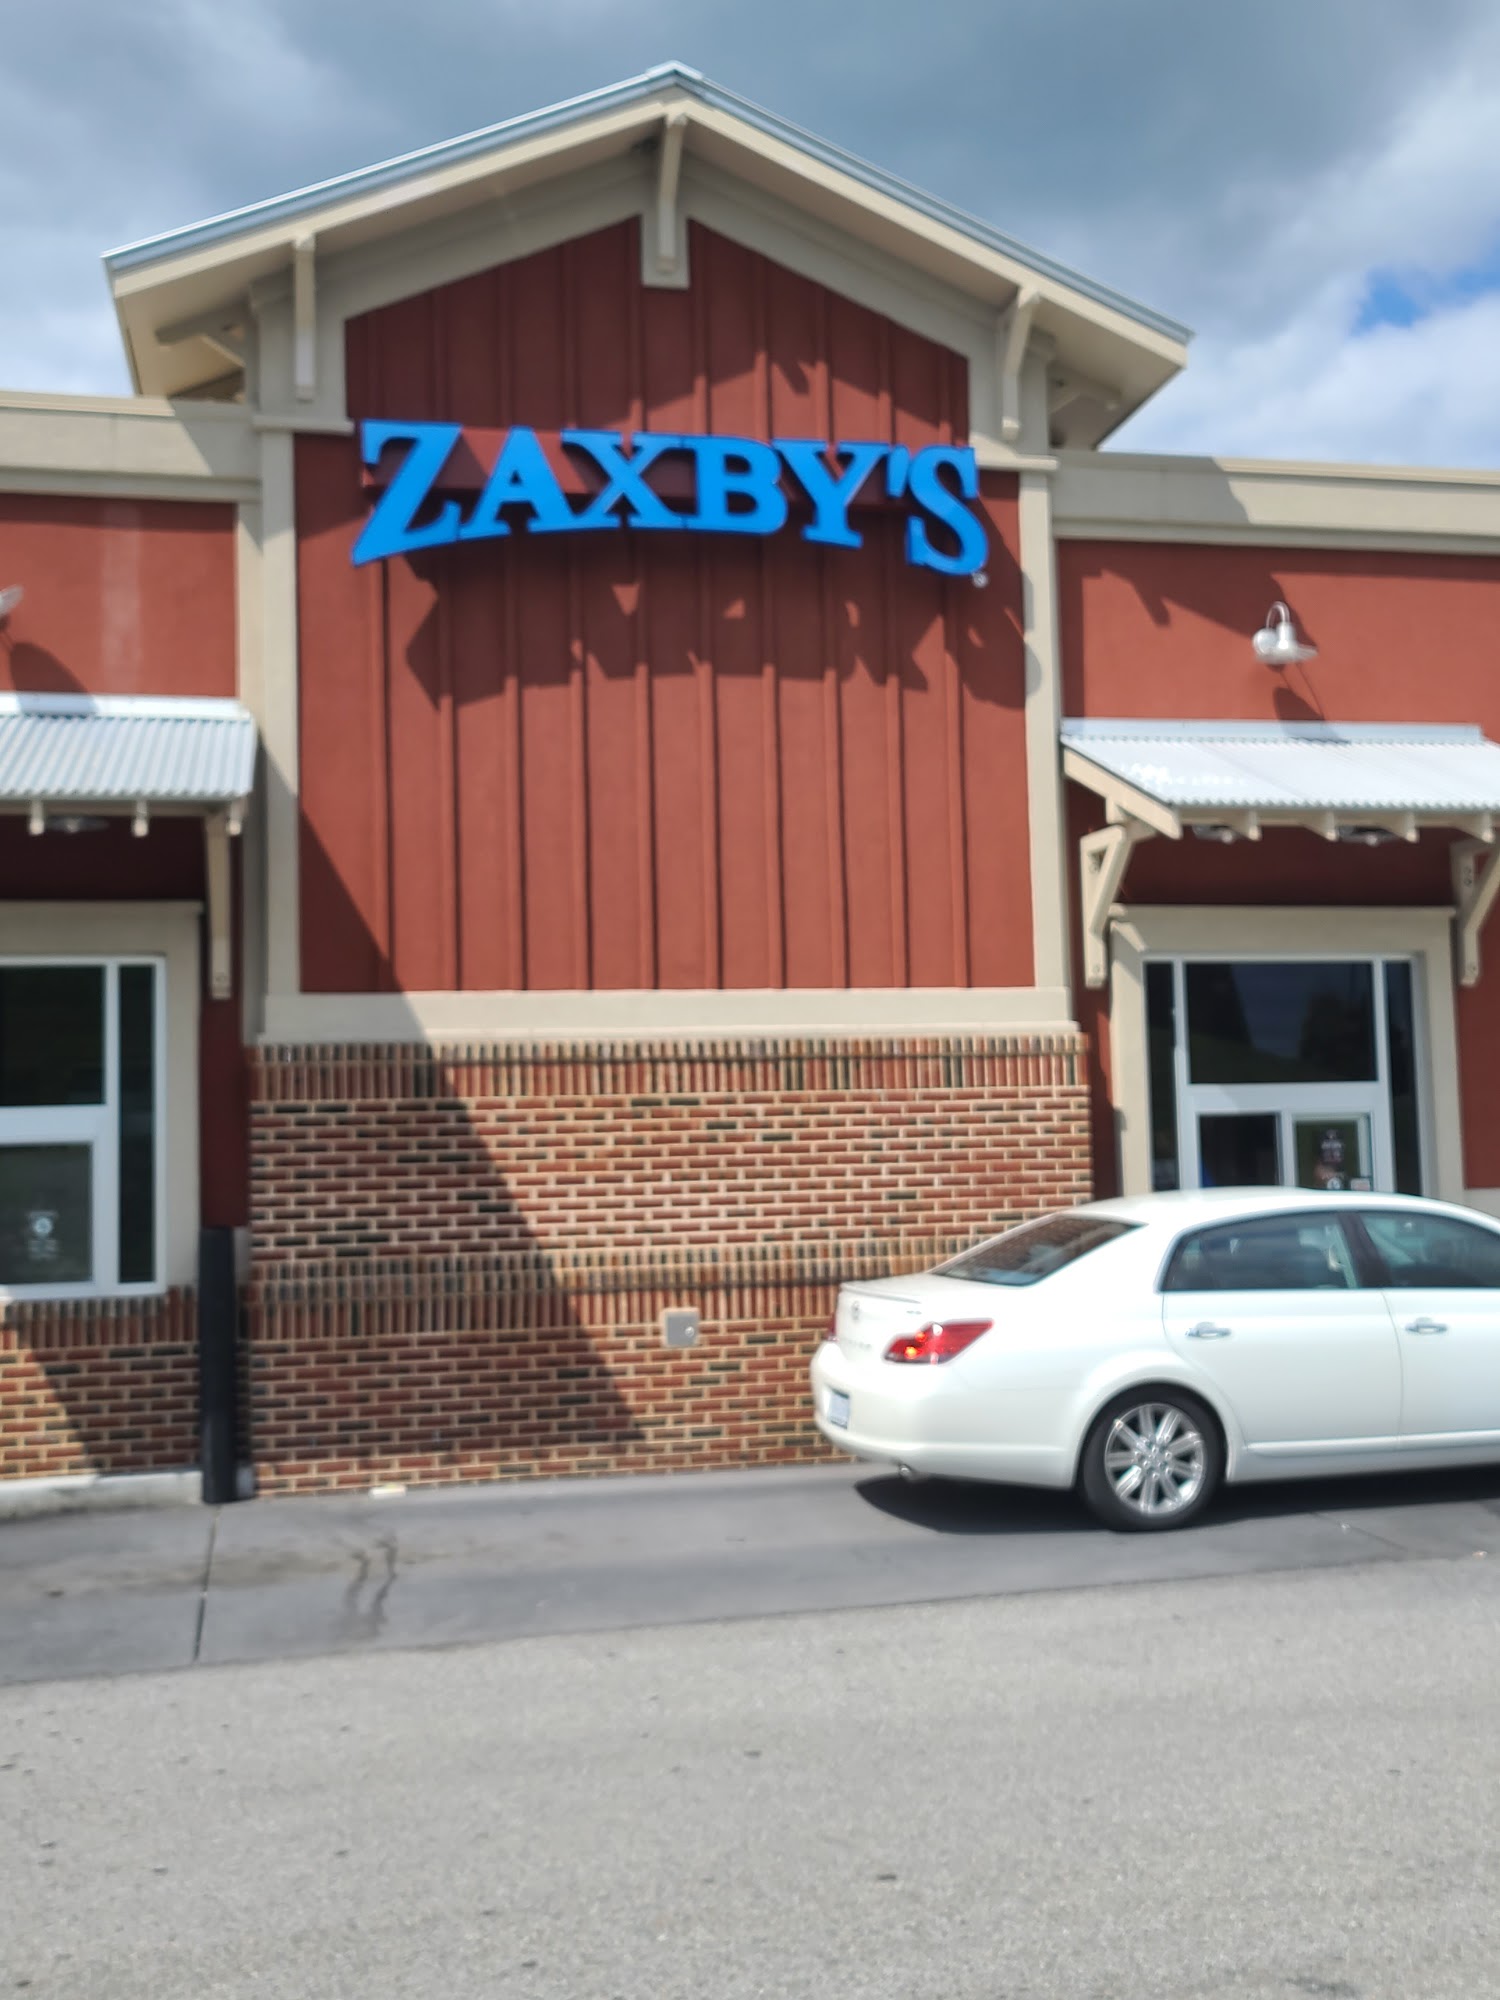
103, 1593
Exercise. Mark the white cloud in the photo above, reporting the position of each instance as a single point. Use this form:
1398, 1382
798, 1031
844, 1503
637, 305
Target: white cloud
1425, 394
1281, 367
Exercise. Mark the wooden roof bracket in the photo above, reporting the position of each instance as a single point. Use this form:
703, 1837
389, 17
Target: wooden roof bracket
305, 318
664, 231
1476, 881
1015, 335
1103, 858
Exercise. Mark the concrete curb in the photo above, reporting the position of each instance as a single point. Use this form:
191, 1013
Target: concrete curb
86, 1492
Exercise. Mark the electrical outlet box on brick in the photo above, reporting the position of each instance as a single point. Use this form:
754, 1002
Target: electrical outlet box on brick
681, 1326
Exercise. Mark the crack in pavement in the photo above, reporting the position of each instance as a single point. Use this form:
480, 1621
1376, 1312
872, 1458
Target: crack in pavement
367, 1621
208, 1570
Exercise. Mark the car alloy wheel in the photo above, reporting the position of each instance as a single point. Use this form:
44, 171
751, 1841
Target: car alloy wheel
1155, 1459
1151, 1461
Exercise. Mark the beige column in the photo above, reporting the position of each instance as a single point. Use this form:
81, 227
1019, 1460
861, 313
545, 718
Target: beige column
278, 712
1044, 785
249, 611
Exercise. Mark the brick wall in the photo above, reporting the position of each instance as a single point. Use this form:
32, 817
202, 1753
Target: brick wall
98, 1386
460, 1256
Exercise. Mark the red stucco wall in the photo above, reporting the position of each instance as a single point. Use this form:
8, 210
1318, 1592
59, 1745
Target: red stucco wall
1163, 629
122, 596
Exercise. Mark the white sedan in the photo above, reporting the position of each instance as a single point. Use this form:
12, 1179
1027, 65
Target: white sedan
1146, 1349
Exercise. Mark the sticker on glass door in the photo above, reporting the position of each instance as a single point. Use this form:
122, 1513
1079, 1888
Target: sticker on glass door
1332, 1154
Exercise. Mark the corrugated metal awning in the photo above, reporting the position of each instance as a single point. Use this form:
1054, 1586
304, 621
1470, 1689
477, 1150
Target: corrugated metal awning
124, 750
1363, 783
1296, 773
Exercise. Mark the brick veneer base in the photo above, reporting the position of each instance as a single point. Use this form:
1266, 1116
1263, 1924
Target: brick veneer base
461, 1256
98, 1386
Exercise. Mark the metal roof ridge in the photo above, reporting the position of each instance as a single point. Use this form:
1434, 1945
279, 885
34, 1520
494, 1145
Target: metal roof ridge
145, 707
1085, 729
693, 83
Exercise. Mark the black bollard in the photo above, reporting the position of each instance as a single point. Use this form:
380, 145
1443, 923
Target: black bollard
218, 1365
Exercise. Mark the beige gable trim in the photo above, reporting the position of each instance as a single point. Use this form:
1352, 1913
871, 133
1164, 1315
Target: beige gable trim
182, 285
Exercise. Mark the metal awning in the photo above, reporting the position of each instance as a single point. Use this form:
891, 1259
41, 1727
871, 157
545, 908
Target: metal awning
1323, 774
1364, 783
121, 750
64, 757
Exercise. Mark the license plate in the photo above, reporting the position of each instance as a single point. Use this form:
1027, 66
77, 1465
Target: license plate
838, 1408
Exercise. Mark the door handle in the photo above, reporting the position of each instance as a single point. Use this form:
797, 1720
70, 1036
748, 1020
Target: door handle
1207, 1330
1425, 1326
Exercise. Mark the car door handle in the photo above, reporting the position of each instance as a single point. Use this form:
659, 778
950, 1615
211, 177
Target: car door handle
1206, 1329
1425, 1326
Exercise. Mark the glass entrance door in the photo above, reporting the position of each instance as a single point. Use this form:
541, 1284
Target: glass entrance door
1281, 1072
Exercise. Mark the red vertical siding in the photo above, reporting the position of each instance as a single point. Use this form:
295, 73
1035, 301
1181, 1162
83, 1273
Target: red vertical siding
122, 596
634, 761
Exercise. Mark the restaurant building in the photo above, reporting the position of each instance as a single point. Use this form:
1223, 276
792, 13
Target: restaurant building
599, 746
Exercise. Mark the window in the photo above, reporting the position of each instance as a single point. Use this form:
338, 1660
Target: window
1274, 1253
1034, 1250
1296, 1021
1401, 1067
80, 1125
1437, 1251
1161, 1060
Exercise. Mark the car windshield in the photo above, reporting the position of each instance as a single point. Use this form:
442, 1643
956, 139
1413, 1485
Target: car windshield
1034, 1250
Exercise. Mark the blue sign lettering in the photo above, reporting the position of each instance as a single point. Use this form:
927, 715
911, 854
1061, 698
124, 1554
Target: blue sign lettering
739, 488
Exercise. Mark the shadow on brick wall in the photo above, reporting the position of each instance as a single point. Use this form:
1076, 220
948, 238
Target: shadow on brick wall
368, 1358
461, 1254
98, 1386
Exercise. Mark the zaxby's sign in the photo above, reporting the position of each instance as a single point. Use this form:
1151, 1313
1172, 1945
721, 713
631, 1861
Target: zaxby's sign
577, 480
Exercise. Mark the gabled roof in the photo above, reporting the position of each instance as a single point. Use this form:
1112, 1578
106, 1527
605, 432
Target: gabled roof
165, 281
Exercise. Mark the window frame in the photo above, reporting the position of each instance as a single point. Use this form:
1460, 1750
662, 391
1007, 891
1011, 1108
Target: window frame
1317, 930
98, 1125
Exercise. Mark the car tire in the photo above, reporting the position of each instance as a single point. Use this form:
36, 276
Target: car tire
1152, 1460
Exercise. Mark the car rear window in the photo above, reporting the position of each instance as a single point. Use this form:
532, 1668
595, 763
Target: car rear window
1034, 1250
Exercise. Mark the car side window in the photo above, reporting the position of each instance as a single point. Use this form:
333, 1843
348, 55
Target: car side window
1419, 1251
1273, 1253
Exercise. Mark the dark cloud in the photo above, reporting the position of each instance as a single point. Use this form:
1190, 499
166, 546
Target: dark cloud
1156, 145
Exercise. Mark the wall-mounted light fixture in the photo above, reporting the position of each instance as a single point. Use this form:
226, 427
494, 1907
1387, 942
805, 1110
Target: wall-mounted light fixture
1202, 830
1365, 836
1277, 643
10, 597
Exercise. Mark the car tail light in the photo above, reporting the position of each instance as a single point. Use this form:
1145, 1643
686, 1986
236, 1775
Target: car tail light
939, 1342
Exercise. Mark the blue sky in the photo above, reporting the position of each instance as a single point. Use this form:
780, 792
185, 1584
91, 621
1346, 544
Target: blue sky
1406, 297
1313, 188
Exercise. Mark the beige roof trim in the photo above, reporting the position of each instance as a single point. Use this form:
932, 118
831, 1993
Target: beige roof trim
122, 447
1121, 496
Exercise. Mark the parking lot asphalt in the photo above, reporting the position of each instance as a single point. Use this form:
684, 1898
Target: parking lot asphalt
104, 1594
